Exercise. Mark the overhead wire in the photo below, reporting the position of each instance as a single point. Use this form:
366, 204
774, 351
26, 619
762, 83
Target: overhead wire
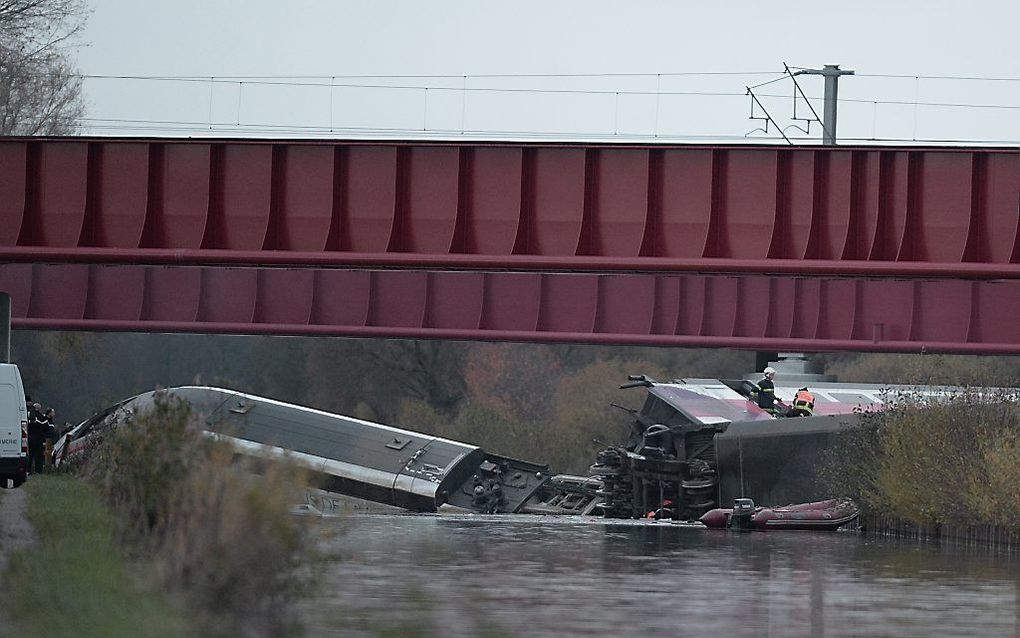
330, 82
184, 126
459, 76
457, 89
911, 76
456, 76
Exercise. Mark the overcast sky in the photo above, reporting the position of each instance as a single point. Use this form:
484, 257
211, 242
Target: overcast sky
278, 68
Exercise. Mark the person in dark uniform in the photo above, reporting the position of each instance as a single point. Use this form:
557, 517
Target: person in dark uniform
51, 435
38, 430
767, 391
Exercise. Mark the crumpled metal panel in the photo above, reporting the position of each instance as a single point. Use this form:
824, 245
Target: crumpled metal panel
664, 309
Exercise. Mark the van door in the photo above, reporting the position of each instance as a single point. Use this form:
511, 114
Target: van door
12, 415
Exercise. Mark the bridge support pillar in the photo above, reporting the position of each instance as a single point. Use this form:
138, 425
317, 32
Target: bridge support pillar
763, 359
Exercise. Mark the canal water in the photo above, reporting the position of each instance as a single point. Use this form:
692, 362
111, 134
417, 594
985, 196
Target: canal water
469, 575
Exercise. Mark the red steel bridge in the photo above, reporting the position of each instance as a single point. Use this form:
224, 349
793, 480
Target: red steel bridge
758, 247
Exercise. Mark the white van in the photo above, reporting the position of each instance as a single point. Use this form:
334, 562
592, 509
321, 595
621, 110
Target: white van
13, 427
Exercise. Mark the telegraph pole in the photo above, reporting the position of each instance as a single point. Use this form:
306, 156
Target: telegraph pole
831, 73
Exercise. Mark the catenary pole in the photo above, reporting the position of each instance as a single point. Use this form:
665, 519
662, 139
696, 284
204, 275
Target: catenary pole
831, 73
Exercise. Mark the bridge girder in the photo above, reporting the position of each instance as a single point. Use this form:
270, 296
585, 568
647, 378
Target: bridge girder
773, 248
736, 311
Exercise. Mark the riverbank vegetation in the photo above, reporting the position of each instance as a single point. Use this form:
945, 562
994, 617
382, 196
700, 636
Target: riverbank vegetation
935, 459
201, 527
76, 580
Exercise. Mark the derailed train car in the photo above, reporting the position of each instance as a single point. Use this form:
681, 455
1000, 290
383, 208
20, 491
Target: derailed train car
698, 444
360, 458
694, 445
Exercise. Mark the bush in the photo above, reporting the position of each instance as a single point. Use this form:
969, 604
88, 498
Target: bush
935, 459
218, 526
850, 467
141, 464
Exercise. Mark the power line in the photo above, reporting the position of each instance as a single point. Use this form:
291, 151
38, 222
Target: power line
919, 76
573, 91
455, 89
939, 104
458, 76
435, 82
185, 126
938, 77
458, 89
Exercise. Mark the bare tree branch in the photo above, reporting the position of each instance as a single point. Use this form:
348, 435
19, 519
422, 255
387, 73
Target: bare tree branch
37, 26
40, 90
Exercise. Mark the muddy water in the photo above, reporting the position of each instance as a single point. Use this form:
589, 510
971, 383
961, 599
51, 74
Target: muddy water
458, 575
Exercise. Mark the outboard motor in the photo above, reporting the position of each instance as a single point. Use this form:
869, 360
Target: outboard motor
743, 510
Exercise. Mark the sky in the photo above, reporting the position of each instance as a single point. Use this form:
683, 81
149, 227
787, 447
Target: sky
619, 71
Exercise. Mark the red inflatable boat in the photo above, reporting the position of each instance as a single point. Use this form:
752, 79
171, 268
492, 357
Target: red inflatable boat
820, 515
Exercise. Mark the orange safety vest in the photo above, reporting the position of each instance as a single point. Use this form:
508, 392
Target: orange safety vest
804, 399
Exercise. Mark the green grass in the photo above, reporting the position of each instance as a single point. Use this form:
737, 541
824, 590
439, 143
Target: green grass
75, 582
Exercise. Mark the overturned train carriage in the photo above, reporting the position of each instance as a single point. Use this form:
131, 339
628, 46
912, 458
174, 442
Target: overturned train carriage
668, 467
350, 456
699, 444
694, 446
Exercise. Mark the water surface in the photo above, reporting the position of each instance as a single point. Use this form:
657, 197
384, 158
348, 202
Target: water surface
470, 575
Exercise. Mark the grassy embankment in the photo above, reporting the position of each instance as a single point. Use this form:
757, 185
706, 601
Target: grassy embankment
158, 519
77, 581
949, 461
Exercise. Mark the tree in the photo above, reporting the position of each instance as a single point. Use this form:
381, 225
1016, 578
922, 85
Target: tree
585, 422
40, 89
515, 380
432, 371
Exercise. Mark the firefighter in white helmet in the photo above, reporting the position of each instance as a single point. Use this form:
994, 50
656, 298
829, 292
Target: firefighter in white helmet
767, 391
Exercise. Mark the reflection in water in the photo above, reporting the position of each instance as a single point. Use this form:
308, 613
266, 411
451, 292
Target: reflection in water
451, 575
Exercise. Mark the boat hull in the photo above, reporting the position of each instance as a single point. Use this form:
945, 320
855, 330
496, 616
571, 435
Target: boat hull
820, 515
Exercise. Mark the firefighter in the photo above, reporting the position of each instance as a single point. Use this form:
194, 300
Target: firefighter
38, 428
51, 435
803, 403
766, 393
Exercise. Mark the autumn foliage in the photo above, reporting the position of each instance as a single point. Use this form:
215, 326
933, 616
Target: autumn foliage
936, 458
